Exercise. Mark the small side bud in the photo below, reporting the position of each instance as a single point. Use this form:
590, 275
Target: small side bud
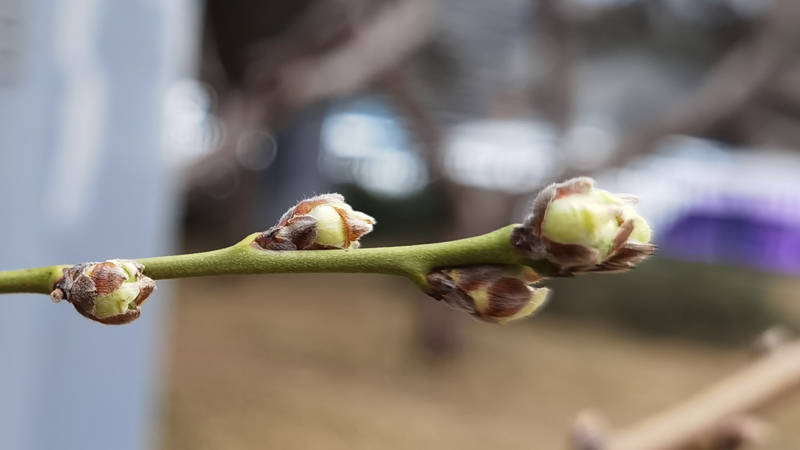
491, 293
583, 229
318, 223
110, 292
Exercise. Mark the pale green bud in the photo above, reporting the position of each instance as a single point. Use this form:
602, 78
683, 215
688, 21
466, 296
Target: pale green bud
318, 223
581, 228
330, 226
593, 219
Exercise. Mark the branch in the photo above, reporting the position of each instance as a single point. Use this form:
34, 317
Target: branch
710, 414
246, 257
573, 228
742, 76
370, 49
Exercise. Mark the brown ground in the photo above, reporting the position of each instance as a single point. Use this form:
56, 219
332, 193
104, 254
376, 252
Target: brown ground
331, 362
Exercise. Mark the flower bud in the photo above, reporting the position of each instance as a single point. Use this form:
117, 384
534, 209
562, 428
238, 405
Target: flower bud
110, 292
583, 229
318, 223
491, 293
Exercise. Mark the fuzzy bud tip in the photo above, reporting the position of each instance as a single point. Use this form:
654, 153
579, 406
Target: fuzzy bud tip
580, 228
318, 223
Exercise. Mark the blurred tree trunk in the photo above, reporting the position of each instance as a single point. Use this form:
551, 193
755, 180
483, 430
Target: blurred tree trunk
553, 43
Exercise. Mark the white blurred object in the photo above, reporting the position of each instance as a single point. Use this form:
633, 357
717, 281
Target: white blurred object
83, 113
83, 178
688, 9
366, 146
587, 147
704, 10
509, 156
256, 150
685, 172
191, 130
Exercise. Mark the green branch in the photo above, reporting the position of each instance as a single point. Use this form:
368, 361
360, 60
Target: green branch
39, 280
573, 228
413, 261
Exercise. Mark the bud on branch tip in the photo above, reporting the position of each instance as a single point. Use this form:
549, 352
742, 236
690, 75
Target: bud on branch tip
575, 226
110, 292
319, 223
583, 229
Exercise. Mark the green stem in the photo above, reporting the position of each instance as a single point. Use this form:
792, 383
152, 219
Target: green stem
413, 261
39, 280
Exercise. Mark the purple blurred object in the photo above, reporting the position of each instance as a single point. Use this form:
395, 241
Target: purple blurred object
747, 231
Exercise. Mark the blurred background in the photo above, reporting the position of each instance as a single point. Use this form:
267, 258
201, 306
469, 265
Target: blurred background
139, 128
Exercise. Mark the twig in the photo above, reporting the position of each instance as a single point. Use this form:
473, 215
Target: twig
709, 414
368, 51
413, 261
744, 74
572, 228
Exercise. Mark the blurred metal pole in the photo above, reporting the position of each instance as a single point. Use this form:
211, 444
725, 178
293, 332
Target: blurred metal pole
83, 177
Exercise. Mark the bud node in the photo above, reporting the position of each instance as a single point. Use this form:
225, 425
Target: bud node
323, 222
111, 292
492, 293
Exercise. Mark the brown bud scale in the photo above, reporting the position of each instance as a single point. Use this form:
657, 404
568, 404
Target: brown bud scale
492, 293
298, 229
83, 285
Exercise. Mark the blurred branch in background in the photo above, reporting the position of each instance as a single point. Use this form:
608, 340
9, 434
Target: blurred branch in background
400, 86
718, 418
554, 38
348, 62
745, 74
